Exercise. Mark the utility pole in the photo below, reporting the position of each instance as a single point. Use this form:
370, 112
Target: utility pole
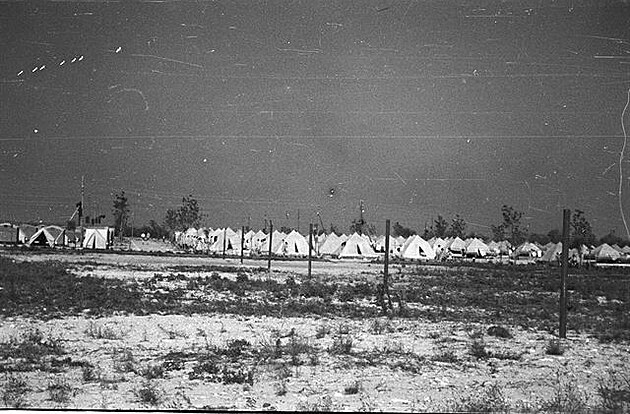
224, 240
298, 220
386, 271
310, 247
242, 242
270, 243
564, 272
80, 226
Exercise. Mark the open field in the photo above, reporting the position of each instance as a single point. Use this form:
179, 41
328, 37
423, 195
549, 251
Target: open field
132, 331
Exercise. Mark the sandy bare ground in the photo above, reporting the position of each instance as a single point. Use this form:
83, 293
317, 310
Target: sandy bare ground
390, 364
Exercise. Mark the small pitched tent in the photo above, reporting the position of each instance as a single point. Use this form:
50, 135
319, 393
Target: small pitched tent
49, 235
356, 247
416, 248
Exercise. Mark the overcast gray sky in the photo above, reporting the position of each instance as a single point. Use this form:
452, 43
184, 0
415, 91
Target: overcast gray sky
261, 108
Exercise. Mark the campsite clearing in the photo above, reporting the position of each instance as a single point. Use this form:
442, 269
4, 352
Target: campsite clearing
130, 331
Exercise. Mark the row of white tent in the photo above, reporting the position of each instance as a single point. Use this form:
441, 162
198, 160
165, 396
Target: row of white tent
358, 246
56, 236
343, 246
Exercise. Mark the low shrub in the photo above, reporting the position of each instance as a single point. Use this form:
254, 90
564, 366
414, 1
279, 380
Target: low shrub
566, 398
614, 391
60, 391
477, 349
322, 331
14, 392
89, 373
554, 347
149, 394
96, 331
491, 400
446, 355
353, 388
380, 326
499, 332
342, 344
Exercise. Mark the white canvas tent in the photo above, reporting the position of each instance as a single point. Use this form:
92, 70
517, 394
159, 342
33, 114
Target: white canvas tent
416, 248
437, 243
604, 253
553, 254
331, 245
356, 247
527, 249
476, 248
232, 242
456, 246
49, 235
96, 238
257, 240
26, 231
294, 244
276, 242
394, 246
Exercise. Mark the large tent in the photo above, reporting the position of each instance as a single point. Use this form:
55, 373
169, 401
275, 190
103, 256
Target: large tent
257, 240
294, 244
553, 253
226, 239
527, 249
416, 248
96, 238
276, 242
456, 246
604, 253
394, 246
356, 247
331, 245
476, 248
437, 243
26, 231
49, 235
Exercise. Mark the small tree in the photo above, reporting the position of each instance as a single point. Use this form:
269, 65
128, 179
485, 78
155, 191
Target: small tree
458, 227
190, 212
440, 227
554, 235
400, 230
581, 230
121, 212
187, 215
511, 226
611, 238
